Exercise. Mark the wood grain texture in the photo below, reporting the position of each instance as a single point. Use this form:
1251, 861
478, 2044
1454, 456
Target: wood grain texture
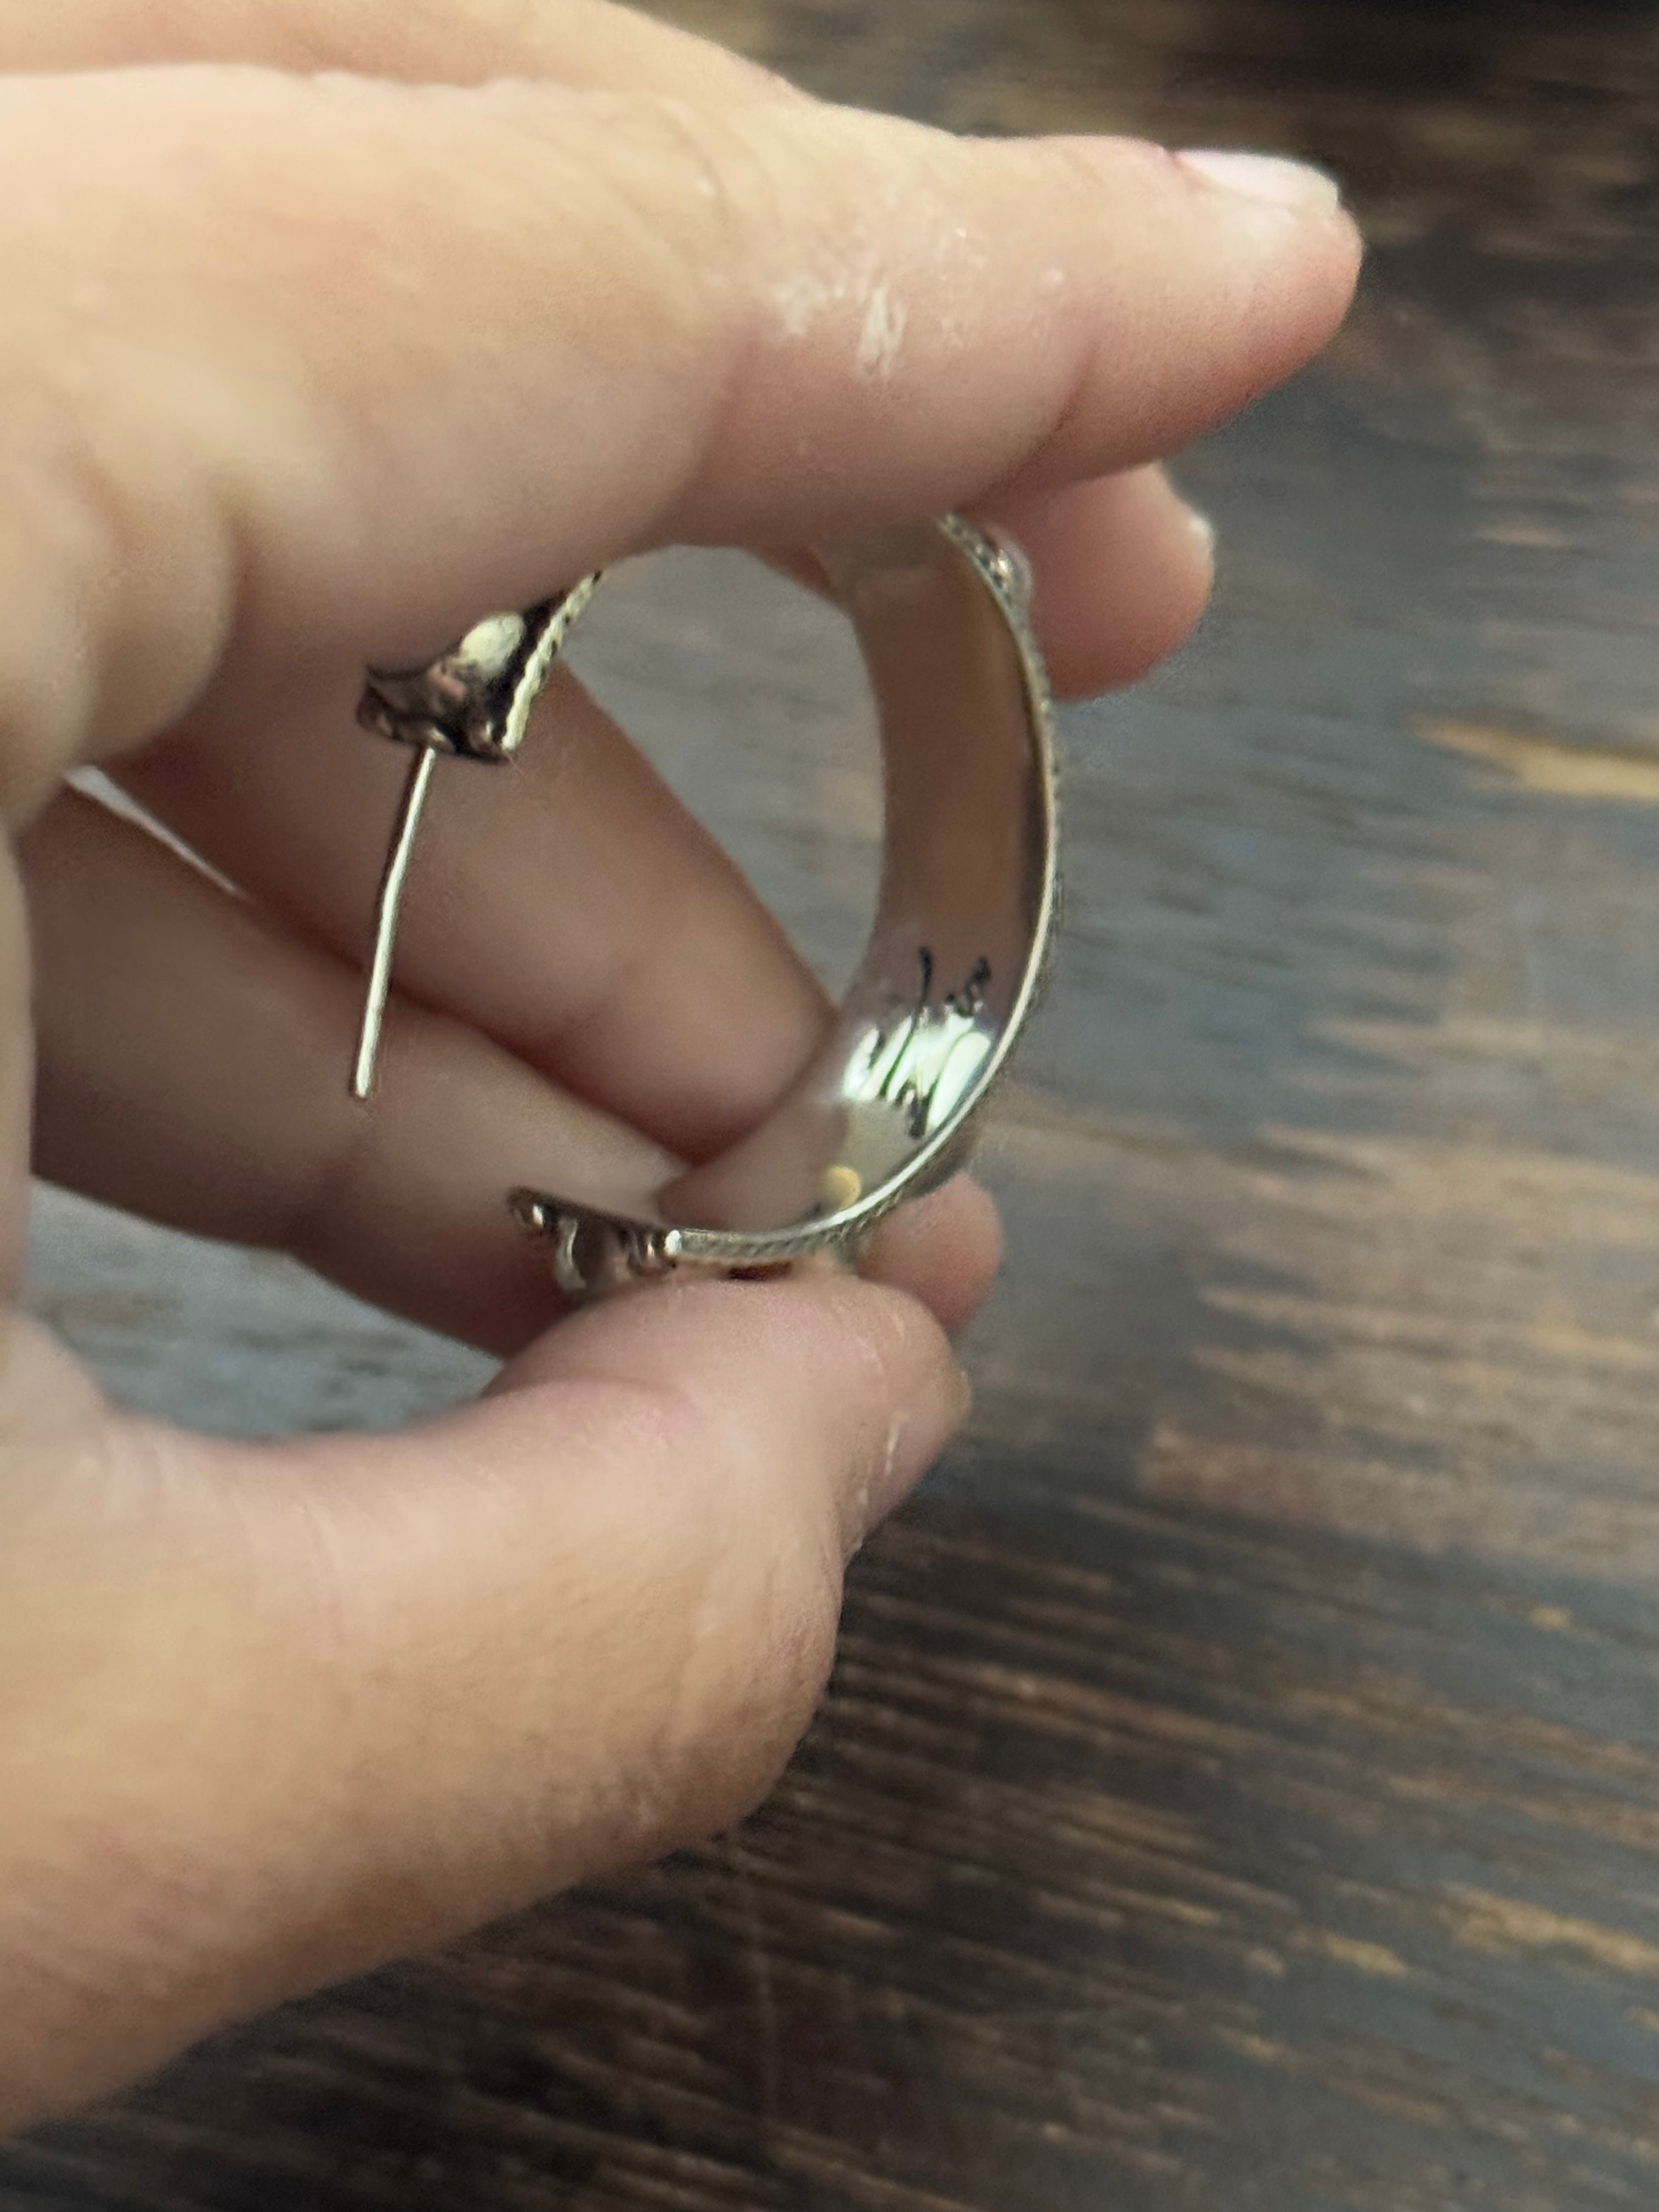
1240, 1787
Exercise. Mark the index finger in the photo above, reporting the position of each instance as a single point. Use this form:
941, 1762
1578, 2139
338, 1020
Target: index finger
1120, 575
341, 365
573, 42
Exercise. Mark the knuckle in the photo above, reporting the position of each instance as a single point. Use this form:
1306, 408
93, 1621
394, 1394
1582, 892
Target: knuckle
684, 164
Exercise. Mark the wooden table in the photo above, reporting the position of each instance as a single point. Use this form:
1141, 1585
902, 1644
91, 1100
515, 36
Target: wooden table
1241, 1785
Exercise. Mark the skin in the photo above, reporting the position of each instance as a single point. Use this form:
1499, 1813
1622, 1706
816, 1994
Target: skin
329, 327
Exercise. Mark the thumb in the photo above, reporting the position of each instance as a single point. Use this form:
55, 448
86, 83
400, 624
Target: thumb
277, 1713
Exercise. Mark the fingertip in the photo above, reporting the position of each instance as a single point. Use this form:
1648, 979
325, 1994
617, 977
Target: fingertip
943, 1251
1124, 568
912, 1374
820, 1384
1268, 195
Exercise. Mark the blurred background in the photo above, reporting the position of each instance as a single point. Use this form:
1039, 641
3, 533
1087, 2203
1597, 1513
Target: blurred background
1241, 1783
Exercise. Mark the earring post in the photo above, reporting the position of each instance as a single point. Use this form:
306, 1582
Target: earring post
393, 881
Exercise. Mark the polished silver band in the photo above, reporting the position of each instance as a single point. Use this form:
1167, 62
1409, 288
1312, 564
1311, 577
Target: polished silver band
886, 1110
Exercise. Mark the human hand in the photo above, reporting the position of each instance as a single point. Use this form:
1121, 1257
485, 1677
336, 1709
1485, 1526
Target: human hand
305, 371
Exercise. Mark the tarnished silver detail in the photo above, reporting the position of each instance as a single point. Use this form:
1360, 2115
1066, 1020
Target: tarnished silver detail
592, 1252
956, 960
924, 1060
475, 700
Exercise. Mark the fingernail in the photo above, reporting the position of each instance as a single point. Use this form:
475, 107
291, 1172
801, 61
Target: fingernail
1292, 184
1203, 529
916, 1434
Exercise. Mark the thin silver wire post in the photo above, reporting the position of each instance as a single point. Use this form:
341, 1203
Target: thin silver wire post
385, 926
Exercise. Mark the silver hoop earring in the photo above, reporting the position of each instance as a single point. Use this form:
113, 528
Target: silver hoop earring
886, 1110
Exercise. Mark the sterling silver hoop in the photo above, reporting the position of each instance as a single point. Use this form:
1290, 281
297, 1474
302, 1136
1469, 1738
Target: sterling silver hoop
885, 1111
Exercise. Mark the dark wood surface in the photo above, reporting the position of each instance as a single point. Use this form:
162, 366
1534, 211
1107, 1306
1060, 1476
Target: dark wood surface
1241, 1784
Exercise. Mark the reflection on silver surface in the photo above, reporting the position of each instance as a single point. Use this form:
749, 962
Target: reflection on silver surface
922, 1062
884, 1110
473, 701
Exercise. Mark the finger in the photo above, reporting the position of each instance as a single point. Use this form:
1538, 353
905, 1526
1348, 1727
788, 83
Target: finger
1122, 569
569, 906
643, 973
348, 1697
944, 1250
656, 322
574, 42
190, 1060
1099, 613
